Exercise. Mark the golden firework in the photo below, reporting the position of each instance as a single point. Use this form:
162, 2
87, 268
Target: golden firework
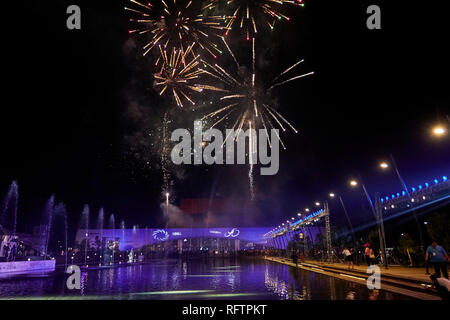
177, 74
175, 23
251, 14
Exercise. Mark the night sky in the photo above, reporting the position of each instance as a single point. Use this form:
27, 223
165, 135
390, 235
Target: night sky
74, 102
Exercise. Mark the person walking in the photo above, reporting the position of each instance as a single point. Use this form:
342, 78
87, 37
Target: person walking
347, 256
368, 255
12, 250
351, 258
295, 257
438, 256
6, 251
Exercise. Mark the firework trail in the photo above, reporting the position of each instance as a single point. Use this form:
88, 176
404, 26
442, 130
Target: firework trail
164, 157
252, 149
248, 15
175, 23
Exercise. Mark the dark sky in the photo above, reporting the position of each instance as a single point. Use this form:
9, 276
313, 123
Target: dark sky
68, 99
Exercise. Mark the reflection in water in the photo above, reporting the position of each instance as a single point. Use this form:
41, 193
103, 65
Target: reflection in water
195, 279
83, 282
374, 294
299, 284
332, 288
274, 281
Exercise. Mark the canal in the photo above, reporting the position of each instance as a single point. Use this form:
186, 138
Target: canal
231, 278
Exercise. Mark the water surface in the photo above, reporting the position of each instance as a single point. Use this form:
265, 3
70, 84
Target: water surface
246, 278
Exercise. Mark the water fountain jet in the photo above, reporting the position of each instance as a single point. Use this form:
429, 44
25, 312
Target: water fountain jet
13, 194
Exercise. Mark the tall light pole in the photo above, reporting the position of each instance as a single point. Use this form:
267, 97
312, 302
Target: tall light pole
379, 218
332, 195
328, 231
385, 165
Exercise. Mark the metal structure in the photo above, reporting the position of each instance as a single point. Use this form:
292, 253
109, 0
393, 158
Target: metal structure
328, 232
416, 197
379, 218
280, 237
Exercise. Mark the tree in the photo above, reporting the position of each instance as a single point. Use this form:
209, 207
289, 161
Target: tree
373, 238
406, 246
437, 228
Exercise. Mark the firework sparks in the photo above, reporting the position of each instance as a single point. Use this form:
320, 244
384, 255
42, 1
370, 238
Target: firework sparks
177, 74
251, 14
165, 157
175, 23
249, 99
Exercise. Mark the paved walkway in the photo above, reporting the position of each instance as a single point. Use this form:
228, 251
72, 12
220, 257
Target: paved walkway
414, 274
403, 280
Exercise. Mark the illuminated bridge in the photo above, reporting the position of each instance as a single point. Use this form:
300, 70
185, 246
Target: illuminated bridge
420, 198
178, 239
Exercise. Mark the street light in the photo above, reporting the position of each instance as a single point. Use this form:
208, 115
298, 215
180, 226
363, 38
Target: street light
307, 210
402, 182
384, 165
439, 130
317, 203
332, 195
353, 183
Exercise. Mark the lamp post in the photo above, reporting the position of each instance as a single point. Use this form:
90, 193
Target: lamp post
379, 218
332, 195
384, 166
440, 130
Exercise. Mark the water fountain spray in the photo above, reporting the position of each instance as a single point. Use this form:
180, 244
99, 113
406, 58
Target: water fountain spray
60, 210
49, 211
85, 225
100, 223
13, 193
112, 226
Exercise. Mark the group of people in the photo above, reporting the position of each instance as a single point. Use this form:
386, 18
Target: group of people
9, 247
435, 256
350, 256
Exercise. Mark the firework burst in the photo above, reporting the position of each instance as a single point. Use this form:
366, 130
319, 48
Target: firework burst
248, 103
177, 74
249, 15
247, 100
175, 23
